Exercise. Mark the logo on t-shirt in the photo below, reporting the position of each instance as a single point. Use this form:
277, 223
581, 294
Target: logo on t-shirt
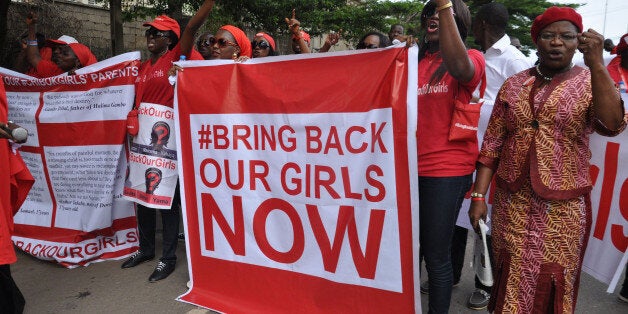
427, 88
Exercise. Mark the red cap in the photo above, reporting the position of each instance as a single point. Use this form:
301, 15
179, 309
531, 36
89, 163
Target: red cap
623, 44
269, 39
555, 14
165, 23
243, 42
63, 40
83, 53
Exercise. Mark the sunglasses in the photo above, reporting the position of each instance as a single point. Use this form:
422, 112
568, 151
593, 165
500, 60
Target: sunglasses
372, 46
222, 43
261, 44
205, 43
151, 32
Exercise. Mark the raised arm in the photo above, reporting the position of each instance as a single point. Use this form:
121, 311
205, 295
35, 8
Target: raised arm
295, 29
187, 38
606, 101
32, 49
452, 48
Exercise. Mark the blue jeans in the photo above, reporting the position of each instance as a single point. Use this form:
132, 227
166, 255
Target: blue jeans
439, 204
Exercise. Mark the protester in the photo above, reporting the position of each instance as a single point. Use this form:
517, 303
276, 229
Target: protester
609, 46
300, 40
263, 45
373, 40
502, 61
537, 146
15, 182
396, 33
230, 42
447, 71
615, 67
66, 56
204, 46
164, 46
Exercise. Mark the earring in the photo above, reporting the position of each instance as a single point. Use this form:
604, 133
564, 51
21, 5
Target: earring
234, 55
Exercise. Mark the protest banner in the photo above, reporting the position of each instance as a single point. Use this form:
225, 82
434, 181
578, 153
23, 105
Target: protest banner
609, 201
299, 182
75, 213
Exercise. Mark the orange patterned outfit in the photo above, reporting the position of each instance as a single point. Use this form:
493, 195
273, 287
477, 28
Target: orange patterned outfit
537, 143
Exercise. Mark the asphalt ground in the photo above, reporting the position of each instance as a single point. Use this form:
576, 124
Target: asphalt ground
106, 288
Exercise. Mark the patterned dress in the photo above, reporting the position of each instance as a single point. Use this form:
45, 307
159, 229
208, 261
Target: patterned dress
537, 142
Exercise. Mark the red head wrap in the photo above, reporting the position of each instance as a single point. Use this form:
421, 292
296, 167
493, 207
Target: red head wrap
623, 44
83, 53
306, 37
555, 14
269, 39
165, 23
241, 39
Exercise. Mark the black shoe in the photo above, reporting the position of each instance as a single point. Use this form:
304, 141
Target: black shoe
136, 259
162, 271
181, 236
623, 294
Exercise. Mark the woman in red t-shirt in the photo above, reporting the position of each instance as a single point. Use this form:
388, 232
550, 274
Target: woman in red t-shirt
447, 71
154, 89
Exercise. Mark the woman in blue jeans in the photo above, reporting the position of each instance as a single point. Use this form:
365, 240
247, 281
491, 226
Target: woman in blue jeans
447, 71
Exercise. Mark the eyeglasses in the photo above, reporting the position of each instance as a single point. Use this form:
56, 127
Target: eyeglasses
222, 43
261, 44
563, 37
372, 46
151, 32
205, 43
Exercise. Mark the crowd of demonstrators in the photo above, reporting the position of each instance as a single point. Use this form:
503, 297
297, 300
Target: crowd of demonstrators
447, 71
527, 128
537, 146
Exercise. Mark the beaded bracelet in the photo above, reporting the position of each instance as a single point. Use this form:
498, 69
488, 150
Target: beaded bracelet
32, 42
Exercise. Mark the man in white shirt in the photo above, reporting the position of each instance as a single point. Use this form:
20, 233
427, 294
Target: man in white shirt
502, 61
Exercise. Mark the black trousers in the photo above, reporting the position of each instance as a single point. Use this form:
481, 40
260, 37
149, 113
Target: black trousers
11, 298
146, 224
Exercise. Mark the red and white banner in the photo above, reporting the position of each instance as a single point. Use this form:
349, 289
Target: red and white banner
153, 177
299, 180
75, 213
609, 199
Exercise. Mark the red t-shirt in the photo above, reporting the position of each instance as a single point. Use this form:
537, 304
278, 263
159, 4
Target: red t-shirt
46, 68
613, 69
437, 156
152, 84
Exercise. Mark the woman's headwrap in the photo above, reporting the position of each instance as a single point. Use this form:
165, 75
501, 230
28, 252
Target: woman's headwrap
83, 53
241, 39
269, 39
555, 14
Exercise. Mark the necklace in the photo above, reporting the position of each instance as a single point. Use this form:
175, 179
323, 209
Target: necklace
538, 71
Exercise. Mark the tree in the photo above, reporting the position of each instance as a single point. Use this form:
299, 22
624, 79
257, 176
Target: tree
317, 17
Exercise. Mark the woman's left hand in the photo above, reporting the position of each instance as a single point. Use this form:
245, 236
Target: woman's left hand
591, 44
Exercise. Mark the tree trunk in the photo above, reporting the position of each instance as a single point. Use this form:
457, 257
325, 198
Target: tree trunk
117, 35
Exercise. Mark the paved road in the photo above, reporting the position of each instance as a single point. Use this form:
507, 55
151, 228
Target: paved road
105, 288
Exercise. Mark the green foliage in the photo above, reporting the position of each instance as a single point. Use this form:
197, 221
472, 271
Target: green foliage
355, 18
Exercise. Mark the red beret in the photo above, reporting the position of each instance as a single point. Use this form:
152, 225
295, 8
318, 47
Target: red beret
165, 23
623, 44
243, 42
555, 14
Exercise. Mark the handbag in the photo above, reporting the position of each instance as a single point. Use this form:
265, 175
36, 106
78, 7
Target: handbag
466, 118
132, 122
